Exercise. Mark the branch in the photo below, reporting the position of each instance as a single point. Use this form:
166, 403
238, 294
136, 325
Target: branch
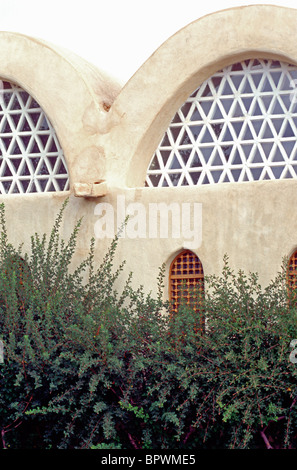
3, 440
132, 441
263, 435
190, 432
267, 443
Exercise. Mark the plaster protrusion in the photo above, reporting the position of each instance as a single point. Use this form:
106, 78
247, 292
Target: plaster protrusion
97, 189
99, 121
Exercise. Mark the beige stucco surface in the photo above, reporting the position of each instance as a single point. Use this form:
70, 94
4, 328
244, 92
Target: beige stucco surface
109, 134
253, 223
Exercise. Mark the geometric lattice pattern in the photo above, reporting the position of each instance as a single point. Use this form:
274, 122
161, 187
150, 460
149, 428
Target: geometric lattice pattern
292, 271
239, 125
186, 272
31, 159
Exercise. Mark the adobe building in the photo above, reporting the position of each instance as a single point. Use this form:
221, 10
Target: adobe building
207, 127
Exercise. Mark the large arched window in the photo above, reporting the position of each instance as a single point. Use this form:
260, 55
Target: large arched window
186, 280
31, 159
239, 125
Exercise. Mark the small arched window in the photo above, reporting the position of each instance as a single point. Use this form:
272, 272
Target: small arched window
186, 280
292, 271
31, 158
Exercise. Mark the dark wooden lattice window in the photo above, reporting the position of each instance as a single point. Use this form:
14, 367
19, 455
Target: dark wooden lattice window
186, 280
292, 271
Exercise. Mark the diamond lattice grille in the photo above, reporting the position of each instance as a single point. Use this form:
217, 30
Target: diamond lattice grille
239, 125
31, 159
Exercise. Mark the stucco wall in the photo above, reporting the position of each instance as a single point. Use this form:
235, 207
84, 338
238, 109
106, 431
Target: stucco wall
109, 134
253, 223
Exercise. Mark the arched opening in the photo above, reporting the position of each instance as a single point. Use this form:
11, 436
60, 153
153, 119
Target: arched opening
32, 160
239, 125
292, 271
186, 280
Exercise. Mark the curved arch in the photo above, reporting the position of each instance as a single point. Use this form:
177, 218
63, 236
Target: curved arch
185, 274
74, 95
179, 66
239, 125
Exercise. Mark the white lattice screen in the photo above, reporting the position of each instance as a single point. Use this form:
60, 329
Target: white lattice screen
239, 125
31, 159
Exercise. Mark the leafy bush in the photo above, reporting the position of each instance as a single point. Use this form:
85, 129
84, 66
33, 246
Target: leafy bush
74, 348
86, 366
249, 330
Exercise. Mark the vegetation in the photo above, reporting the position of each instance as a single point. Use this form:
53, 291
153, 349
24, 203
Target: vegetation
86, 366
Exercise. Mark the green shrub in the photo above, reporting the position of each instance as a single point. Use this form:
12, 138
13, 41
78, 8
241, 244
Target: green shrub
86, 366
74, 348
248, 333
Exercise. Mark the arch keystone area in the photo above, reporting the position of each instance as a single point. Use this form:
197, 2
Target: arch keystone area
74, 95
